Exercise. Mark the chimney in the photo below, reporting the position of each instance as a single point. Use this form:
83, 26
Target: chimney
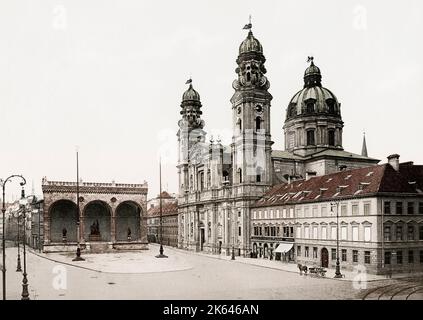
393, 160
310, 174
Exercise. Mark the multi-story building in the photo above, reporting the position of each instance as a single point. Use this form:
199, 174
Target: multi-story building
15, 222
374, 215
37, 224
218, 184
169, 216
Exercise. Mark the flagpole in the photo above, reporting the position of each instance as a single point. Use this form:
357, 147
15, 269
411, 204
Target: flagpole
78, 219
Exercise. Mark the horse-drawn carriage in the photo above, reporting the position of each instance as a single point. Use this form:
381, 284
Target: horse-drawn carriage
318, 271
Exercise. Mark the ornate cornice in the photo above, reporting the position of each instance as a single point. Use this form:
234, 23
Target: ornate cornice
94, 187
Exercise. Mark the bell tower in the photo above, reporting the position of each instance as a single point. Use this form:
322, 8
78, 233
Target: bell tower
190, 134
251, 140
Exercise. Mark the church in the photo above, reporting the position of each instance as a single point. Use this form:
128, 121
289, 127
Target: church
219, 184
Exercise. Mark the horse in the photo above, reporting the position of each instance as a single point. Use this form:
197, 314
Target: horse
302, 268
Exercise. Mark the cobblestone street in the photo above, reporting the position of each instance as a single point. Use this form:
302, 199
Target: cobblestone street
183, 276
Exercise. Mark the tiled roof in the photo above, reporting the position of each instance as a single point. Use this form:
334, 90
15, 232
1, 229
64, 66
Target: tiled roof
413, 173
349, 183
168, 209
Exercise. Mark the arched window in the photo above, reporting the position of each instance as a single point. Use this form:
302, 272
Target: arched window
310, 107
258, 123
259, 172
240, 175
239, 124
191, 182
208, 178
310, 138
225, 175
331, 137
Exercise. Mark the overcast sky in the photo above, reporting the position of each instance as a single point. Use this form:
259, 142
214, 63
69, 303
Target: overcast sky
108, 76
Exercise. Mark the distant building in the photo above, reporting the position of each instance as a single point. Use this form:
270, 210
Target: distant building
169, 219
379, 226
37, 224
15, 217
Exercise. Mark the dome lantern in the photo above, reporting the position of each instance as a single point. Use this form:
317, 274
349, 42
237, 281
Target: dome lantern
312, 75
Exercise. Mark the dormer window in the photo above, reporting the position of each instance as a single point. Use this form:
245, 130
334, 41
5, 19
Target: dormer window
292, 111
331, 106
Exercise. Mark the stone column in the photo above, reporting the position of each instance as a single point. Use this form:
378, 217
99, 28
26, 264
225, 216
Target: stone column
81, 223
143, 223
113, 224
46, 223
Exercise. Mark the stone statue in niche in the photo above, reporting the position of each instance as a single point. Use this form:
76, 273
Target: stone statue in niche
95, 228
64, 233
129, 234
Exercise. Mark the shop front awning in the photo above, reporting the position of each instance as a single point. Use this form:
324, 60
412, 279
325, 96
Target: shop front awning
284, 247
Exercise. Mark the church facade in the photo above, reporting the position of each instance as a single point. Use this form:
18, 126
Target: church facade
218, 184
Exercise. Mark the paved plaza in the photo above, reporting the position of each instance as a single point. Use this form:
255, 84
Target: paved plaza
188, 276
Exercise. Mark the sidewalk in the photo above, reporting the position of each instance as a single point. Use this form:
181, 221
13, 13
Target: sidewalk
292, 267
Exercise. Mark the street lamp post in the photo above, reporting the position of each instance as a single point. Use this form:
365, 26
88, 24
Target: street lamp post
18, 267
161, 255
337, 268
3, 210
25, 293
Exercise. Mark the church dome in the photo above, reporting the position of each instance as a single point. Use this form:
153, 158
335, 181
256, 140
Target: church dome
191, 94
313, 99
250, 44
